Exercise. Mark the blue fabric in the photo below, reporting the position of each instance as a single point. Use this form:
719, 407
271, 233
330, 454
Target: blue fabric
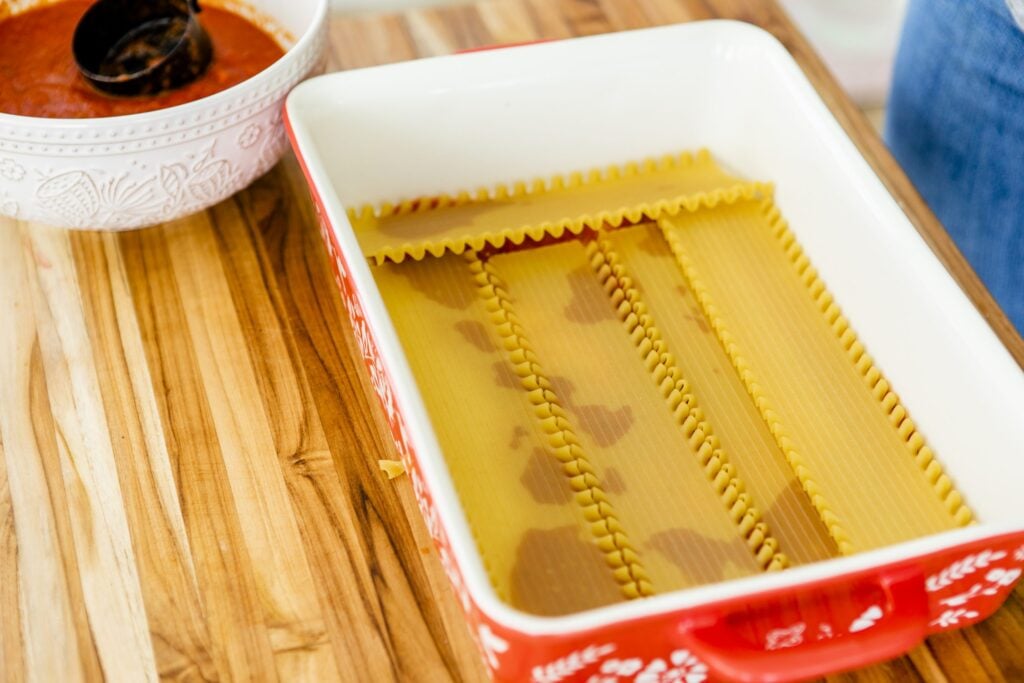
956, 124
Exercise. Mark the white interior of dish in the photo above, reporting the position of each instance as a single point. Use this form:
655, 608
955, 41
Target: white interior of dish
463, 122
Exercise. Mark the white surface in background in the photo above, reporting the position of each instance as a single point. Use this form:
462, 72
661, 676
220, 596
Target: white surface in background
856, 38
1017, 9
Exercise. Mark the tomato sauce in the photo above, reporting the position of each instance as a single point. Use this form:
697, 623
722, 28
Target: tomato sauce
38, 75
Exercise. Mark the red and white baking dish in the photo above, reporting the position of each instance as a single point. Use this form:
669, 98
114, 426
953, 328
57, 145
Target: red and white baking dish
438, 125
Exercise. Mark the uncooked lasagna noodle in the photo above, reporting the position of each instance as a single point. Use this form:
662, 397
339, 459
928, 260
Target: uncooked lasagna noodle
639, 384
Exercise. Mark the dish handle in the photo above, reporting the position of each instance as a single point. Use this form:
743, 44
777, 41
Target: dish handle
901, 627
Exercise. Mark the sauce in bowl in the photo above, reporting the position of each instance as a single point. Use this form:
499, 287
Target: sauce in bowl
38, 75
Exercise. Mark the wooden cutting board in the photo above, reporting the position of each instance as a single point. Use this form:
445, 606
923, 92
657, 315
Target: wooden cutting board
188, 445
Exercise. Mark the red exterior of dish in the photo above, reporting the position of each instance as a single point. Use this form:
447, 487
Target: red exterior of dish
839, 623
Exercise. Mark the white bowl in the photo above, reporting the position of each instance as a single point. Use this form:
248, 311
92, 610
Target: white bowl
121, 172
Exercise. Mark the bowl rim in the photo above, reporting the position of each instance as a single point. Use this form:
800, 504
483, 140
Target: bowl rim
16, 121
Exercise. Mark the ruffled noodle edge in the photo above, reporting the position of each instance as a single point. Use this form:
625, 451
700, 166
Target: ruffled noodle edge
366, 215
675, 389
890, 403
619, 552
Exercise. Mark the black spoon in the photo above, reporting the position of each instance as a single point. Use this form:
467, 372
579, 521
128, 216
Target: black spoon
141, 47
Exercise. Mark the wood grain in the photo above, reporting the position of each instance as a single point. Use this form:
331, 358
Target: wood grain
188, 443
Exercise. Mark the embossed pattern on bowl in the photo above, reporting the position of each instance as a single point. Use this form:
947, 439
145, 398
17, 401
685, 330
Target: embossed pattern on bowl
117, 173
